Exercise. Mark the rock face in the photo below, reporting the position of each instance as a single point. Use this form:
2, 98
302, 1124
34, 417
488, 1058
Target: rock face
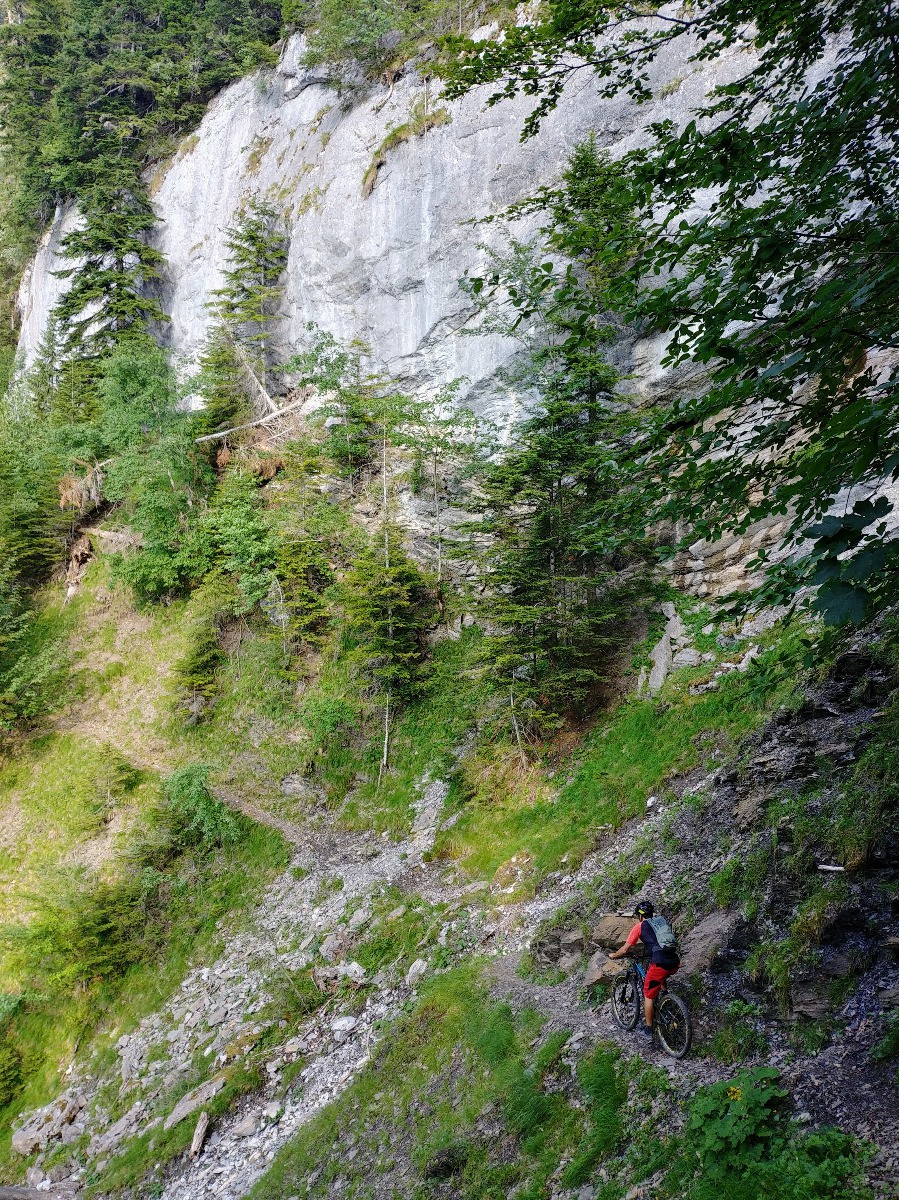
57, 1120
383, 268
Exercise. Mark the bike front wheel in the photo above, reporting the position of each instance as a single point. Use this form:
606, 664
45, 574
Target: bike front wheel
626, 1000
673, 1025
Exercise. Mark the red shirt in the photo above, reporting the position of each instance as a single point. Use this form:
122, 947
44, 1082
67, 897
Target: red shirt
634, 936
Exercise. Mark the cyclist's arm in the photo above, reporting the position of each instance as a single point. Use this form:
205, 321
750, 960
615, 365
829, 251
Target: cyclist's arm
632, 938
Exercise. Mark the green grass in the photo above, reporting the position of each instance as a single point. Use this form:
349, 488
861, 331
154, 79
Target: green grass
328, 730
628, 755
423, 740
456, 1057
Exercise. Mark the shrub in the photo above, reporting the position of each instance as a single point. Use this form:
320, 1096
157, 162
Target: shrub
11, 1077
745, 1147
737, 1037
732, 1123
199, 820
888, 1046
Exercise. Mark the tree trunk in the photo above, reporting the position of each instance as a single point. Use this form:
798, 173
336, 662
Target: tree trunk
383, 767
524, 757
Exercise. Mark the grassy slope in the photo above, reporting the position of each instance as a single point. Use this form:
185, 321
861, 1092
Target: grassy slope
263, 727
627, 756
69, 796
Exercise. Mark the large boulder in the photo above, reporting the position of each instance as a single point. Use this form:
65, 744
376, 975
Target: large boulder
705, 941
610, 931
602, 969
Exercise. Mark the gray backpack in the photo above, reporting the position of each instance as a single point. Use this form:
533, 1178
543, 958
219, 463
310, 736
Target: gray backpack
664, 933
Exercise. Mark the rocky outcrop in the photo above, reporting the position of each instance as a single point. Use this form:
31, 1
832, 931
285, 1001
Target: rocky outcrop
383, 267
705, 941
62, 1120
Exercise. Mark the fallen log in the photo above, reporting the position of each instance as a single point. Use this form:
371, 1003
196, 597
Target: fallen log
266, 420
251, 374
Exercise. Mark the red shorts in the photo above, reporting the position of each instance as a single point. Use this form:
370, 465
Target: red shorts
655, 977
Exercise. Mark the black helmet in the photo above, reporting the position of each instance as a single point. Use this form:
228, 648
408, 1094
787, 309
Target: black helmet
644, 909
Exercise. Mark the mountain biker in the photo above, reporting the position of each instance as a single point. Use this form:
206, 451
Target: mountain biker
664, 960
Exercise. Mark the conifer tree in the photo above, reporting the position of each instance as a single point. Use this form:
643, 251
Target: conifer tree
560, 525
107, 295
248, 302
562, 581
443, 432
31, 42
221, 385
305, 573
389, 607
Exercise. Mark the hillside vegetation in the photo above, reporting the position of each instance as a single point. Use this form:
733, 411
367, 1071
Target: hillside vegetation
331, 721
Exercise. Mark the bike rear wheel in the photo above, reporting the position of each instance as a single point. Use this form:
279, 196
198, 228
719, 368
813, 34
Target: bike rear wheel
673, 1025
626, 1000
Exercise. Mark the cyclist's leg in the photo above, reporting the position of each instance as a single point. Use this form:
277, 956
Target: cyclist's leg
652, 985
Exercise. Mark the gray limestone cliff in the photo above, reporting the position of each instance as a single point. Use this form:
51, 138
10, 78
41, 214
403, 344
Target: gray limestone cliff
383, 268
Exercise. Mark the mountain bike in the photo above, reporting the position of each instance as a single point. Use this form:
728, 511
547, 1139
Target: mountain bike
671, 1019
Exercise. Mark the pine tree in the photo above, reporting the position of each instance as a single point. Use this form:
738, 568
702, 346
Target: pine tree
389, 606
248, 302
220, 383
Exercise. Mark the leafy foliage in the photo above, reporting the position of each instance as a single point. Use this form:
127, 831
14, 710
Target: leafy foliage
783, 286
743, 1141
377, 34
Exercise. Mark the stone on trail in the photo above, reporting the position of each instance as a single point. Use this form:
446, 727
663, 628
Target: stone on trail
246, 1127
342, 1027
610, 931
602, 969
415, 972
48, 1123
333, 946
359, 918
193, 1100
352, 971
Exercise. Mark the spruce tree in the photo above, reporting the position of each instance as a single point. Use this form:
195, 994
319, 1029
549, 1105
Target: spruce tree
220, 383
561, 524
107, 295
304, 574
248, 302
389, 606
562, 580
